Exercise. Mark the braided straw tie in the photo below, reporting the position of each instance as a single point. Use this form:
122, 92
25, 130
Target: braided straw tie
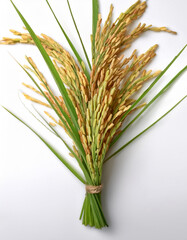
94, 189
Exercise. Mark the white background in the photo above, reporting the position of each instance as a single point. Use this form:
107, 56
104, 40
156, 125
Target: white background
145, 186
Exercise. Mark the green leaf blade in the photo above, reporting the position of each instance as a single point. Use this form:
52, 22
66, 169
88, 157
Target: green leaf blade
70, 44
163, 90
95, 8
145, 130
83, 47
62, 159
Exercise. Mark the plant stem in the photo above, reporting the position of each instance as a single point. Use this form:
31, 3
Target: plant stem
92, 213
83, 47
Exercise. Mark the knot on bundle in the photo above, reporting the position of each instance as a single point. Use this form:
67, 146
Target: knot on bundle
94, 189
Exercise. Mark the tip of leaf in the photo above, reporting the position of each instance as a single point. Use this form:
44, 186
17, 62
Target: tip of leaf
4, 107
12, 2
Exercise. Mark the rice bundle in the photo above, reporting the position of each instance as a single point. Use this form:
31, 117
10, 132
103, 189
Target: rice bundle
95, 100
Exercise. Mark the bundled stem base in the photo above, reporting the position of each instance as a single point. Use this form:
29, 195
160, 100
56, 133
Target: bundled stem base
92, 213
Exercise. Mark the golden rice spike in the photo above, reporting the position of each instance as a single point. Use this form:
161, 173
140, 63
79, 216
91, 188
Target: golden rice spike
36, 100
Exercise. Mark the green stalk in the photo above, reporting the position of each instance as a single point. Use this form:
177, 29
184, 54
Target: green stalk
81, 62
95, 7
83, 47
91, 213
145, 130
72, 169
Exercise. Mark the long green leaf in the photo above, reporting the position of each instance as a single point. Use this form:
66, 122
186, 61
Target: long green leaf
83, 47
147, 90
95, 8
57, 79
72, 169
151, 102
49, 128
52, 130
76, 157
81, 62
52, 68
145, 130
